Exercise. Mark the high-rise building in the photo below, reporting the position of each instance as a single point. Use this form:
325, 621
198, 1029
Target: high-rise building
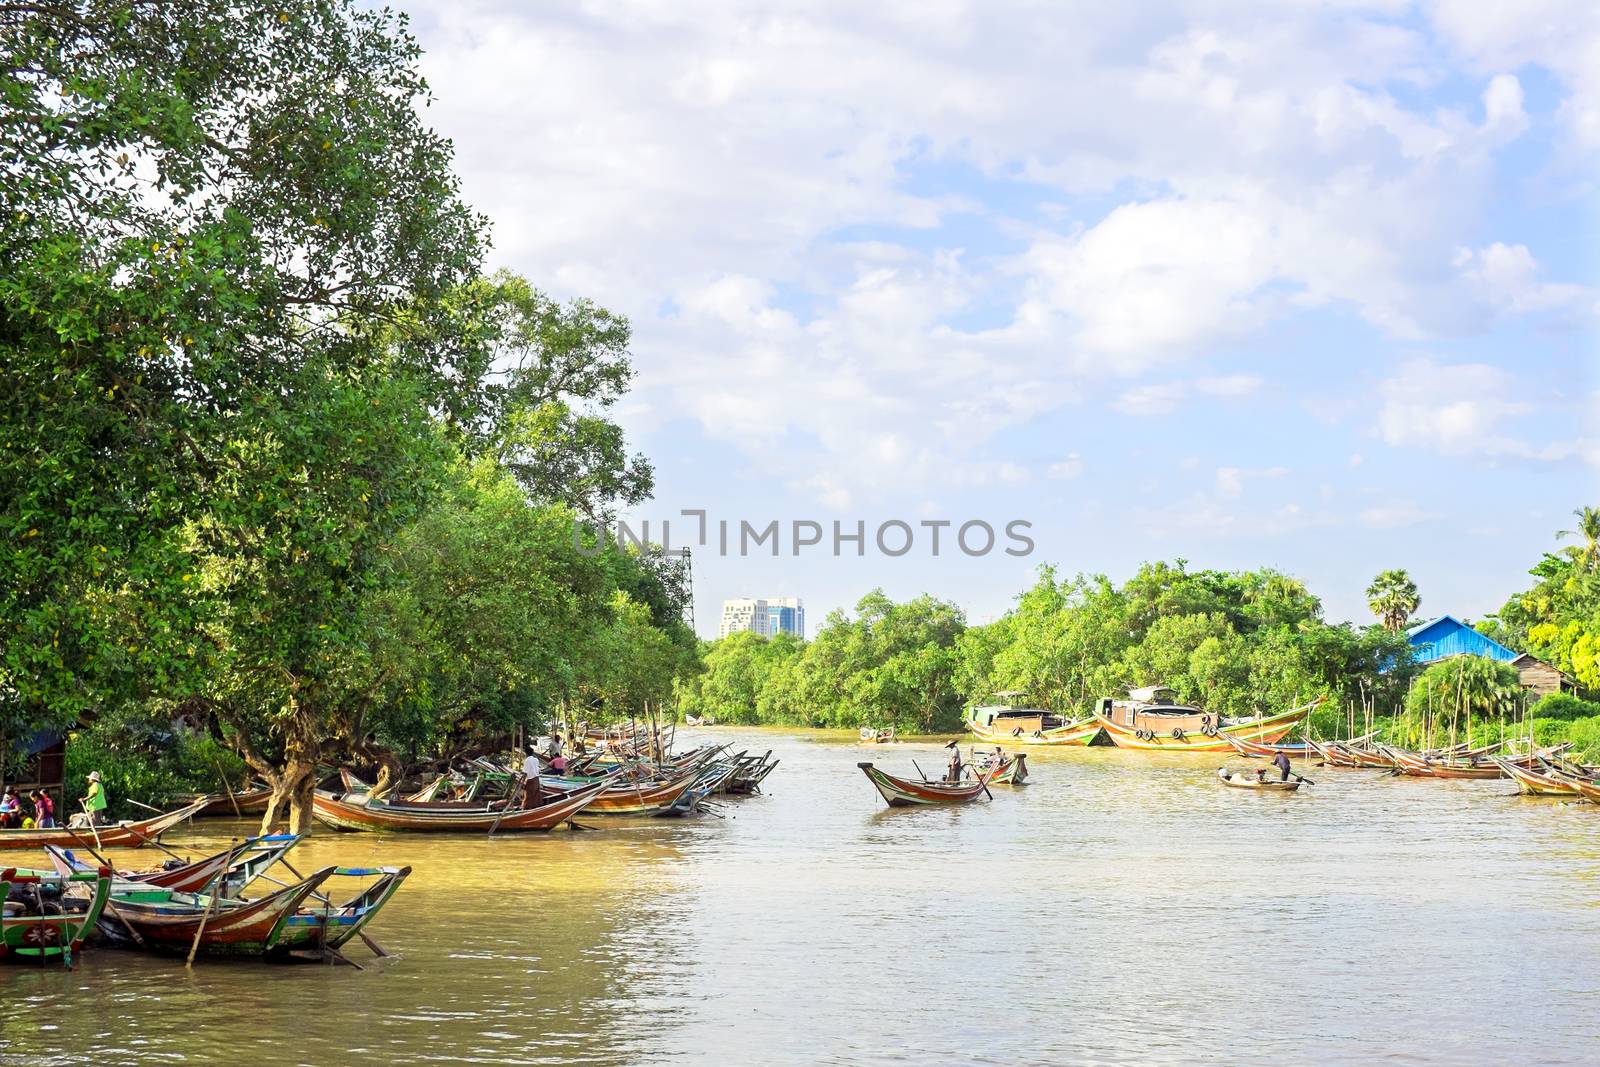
765, 616
743, 614
786, 614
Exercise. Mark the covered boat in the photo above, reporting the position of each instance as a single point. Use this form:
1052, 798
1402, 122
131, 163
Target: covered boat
1009, 724
904, 793
129, 834
1151, 718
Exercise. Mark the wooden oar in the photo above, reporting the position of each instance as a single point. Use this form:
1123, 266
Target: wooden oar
514, 794
1302, 778
211, 905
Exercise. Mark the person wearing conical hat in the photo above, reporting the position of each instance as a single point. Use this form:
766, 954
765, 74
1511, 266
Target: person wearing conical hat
954, 773
94, 804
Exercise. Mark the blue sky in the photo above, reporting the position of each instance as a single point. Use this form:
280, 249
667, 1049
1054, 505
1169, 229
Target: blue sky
1251, 285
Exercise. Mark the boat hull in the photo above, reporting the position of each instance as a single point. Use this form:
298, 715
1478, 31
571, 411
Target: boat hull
1250, 781
132, 834
1082, 732
904, 793
1267, 730
380, 818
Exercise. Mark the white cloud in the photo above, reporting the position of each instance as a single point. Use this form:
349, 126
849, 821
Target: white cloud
1200, 172
1468, 409
1230, 481
1229, 385
1066, 469
1158, 399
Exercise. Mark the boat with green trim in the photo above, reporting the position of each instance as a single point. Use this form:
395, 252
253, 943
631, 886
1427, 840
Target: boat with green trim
42, 919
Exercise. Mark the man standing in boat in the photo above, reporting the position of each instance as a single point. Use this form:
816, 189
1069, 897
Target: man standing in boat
1281, 761
95, 803
954, 773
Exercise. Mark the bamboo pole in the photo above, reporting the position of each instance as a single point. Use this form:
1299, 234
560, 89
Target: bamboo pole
211, 906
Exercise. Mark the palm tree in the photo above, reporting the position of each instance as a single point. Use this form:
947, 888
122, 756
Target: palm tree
1393, 597
1586, 555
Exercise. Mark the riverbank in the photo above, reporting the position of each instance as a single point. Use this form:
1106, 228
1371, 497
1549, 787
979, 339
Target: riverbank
1122, 909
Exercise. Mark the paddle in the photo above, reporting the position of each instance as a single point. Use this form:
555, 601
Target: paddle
1302, 778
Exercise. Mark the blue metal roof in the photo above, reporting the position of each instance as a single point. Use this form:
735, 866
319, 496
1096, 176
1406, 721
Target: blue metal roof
1448, 636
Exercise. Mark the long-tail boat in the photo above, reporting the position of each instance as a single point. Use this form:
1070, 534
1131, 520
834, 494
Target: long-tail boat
40, 922
244, 864
1246, 780
249, 801
128, 834
311, 932
625, 797
905, 793
999, 768
748, 774
1539, 780
1471, 764
1011, 725
1302, 750
1151, 719
361, 812
163, 920
1588, 788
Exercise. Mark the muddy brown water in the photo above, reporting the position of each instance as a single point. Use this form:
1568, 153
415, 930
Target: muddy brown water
1120, 909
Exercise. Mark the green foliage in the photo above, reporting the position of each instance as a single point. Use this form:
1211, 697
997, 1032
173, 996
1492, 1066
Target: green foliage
147, 760
1565, 707
1558, 619
888, 665
1393, 598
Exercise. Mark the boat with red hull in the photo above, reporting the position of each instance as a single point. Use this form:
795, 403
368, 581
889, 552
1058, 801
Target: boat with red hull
131, 834
905, 793
361, 812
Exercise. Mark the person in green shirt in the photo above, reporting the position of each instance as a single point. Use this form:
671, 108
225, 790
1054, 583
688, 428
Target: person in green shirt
95, 803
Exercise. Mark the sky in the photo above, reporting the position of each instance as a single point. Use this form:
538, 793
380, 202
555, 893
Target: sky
1304, 285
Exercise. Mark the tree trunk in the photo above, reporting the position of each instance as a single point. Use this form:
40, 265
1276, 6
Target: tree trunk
300, 803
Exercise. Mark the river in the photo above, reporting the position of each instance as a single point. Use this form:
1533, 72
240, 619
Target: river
1120, 909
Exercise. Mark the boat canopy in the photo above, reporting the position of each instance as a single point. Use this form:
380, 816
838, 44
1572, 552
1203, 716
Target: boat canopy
1154, 694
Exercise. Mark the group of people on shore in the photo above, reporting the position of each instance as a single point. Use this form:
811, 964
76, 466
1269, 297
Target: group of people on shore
36, 810
14, 816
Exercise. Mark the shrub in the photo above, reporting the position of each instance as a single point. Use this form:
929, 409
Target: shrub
1566, 707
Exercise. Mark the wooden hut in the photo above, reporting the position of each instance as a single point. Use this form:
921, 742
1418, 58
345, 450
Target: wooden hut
1540, 678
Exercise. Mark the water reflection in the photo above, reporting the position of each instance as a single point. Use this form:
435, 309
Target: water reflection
1122, 909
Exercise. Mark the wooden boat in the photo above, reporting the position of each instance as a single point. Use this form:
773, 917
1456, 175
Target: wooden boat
624, 797
1301, 750
39, 922
748, 774
1008, 769
251, 801
359, 812
903, 792
311, 932
1472, 767
1250, 780
1006, 724
244, 863
1541, 780
870, 736
166, 921
1150, 719
130, 834
1588, 789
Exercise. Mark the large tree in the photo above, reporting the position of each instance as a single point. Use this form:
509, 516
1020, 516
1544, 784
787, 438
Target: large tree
1393, 598
232, 273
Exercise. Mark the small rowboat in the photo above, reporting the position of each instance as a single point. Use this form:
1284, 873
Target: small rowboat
245, 863
347, 812
1249, 780
1008, 770
905, 793
47, 925
251, 801
132, 834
